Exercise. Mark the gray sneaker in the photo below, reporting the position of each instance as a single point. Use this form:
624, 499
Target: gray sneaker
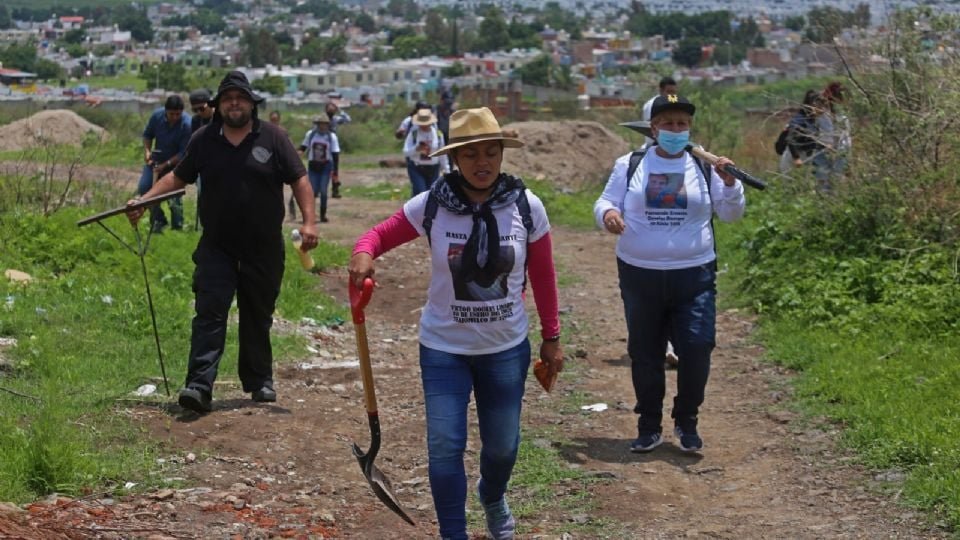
500, 522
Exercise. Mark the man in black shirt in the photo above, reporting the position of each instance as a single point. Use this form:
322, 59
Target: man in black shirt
244, 164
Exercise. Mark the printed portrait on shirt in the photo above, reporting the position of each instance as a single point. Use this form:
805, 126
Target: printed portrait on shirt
319, 150
666, 190
473, 282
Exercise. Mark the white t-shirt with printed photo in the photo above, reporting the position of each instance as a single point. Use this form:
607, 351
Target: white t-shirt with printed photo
321, 146
484, 315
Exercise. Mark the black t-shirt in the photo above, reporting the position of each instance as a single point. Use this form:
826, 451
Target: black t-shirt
241, 203
197, 122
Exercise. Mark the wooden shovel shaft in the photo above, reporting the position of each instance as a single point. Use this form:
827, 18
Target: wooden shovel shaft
366, 370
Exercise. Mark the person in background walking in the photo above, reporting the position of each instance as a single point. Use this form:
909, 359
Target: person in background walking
423, 140
322, 149
445, 108
486, 231
338, 117
801, 134
165, 139
667, 86
202, 111
666, 262
244, 163
274, 118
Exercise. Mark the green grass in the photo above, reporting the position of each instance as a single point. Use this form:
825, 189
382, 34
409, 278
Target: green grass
379, 192
123, 81
85, 339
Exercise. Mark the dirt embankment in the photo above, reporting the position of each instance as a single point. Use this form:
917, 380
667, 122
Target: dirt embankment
572, 154
47, 127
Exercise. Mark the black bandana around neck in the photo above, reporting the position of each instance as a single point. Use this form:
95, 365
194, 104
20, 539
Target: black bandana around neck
482, 249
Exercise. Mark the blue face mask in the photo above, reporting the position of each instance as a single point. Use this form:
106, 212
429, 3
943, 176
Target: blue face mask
673, 143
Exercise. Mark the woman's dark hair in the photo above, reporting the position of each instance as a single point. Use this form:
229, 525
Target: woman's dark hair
420, 105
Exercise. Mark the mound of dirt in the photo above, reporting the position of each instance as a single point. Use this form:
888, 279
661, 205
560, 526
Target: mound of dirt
572, 154
47, 127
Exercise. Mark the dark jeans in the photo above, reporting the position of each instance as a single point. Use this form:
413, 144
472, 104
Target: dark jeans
157, 217
497, 382
421, 177
679, 305
319, 181
256, 283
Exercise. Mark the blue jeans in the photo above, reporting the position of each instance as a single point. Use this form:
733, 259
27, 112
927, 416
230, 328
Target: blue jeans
823, 170
497, 380
421, 177
157, 217
320, 181
675, 304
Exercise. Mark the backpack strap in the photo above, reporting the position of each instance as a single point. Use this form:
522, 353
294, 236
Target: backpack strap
429, 213
523, 205
635, 158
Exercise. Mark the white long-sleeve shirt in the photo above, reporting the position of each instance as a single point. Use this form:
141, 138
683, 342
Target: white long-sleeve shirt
433, 140
667, 208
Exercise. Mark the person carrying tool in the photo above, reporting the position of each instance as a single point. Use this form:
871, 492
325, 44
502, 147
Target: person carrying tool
483, 228
322, 149
422, 140
244, 163
666, 262
165, 139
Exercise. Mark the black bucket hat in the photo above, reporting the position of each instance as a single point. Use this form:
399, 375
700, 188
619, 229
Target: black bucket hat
235, 80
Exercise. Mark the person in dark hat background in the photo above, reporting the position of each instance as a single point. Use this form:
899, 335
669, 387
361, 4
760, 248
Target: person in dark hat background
666, 262
245, 164
200, 106
485, 232
165, 139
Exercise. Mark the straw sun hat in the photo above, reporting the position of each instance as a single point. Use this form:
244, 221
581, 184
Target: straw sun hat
468, 126
424, 117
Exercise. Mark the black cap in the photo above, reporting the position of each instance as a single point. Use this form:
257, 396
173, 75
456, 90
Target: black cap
671, 102
199, 96
235, 80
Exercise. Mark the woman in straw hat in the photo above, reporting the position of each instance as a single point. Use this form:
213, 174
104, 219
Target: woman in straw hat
423, 139
484, 229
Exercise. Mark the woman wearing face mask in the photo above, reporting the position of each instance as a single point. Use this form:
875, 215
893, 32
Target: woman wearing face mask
666, 263
484, 229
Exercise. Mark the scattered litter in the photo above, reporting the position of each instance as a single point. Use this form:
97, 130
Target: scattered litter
129, 485
335, 364
145, 390
8, 342
311, 350
596, 407
106, 299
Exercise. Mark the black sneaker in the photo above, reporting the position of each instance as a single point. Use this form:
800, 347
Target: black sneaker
264, 395
647, 441
689, 440
195, 400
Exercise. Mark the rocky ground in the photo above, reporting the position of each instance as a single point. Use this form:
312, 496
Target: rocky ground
286, 470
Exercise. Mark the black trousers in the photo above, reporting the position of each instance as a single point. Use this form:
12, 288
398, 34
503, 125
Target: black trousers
256, 283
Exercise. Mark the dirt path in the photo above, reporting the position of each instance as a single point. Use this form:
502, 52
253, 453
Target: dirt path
255, 471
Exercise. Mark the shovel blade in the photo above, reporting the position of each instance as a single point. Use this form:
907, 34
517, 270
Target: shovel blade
380, 484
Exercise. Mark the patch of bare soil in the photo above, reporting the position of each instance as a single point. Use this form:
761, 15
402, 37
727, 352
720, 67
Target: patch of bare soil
572, 154
47, 127
285, 470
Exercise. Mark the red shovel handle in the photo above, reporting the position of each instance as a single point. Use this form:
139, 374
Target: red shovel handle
359, 298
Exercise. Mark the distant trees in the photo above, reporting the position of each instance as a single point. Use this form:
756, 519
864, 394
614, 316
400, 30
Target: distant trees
134, 20
825, 23
24, 57
272, 84
167, 76
688, 52
258, 48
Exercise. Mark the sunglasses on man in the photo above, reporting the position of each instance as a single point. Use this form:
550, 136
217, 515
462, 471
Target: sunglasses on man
199, 108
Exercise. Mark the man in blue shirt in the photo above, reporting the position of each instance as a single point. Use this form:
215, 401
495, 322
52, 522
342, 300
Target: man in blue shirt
164, 141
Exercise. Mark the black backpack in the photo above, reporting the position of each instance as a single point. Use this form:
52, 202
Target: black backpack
781, 145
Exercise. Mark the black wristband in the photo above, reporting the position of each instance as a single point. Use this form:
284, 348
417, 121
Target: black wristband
552, 338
